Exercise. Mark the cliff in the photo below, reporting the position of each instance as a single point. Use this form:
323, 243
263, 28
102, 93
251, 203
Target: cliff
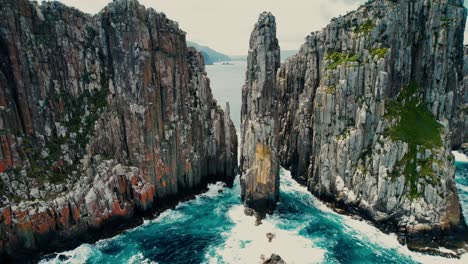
367, 108
259, 162
103, 119
459, 132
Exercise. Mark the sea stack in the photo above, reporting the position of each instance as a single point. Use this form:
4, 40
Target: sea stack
259, 162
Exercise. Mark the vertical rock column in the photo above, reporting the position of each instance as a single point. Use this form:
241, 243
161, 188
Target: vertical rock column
259, 162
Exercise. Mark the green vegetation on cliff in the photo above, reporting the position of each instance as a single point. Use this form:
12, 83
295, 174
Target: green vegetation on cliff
53, 167
338, 58
379, 53
365, 28
417, 127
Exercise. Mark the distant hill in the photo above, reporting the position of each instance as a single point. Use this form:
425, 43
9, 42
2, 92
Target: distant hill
211, 55
288, 53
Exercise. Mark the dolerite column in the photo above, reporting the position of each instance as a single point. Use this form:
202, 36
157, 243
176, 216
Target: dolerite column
259, 162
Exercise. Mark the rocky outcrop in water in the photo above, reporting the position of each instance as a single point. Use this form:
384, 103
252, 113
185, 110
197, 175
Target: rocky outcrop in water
274, 259
259, 162
367, 108
102, 119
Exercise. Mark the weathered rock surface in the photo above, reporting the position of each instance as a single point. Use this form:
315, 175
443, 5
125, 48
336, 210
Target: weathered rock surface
366, 109
274, 259
460, 127
259, 162
102, 119
464, 148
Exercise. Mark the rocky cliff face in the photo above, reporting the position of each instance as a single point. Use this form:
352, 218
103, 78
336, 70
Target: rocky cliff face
259, 162
367, 107
102, 118
459, 133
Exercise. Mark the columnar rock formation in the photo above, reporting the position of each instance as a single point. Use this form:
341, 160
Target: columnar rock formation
367, 107
259, 162
102, 118
460, 131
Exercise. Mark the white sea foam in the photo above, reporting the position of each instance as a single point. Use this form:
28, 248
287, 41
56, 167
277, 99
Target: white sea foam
460, 157
169, 216
140, 259
213, 190
365, 231
246, 242
462, 187
76, 256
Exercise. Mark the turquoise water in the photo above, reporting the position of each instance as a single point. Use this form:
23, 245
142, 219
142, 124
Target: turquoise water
214, 229
462, 186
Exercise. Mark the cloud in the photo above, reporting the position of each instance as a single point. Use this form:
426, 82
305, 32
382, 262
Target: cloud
225, 25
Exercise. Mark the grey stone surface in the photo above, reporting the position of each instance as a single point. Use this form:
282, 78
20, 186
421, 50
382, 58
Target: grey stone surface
336, 99
259, 161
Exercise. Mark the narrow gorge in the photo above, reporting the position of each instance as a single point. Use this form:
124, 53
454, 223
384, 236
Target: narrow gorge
103, 119
117, 144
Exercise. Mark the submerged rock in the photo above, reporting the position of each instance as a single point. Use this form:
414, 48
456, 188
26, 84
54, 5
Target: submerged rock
274, 259
103, 119
259, 162
464, 148
270, 236
367, 107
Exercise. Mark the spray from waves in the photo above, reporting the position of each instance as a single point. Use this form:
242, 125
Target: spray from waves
140, 259
76, 256
127, 247
463, 188
247, 242
213, 228
173, 215
460, 157
213, 190
363, 230
169, 215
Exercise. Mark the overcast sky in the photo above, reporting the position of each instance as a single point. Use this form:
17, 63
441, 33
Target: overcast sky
225, 25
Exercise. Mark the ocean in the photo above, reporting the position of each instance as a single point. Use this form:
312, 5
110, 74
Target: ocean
212, 228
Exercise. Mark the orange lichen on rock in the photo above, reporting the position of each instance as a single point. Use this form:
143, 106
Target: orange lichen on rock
76, 214
262, 163
134, 181
3, 166
6, 216
43, 223
64, 218
6, 162
187, 167
118, 210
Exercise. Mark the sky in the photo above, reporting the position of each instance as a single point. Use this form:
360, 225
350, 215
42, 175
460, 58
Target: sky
225, 25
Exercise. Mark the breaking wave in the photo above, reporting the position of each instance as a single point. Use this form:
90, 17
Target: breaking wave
212, 228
